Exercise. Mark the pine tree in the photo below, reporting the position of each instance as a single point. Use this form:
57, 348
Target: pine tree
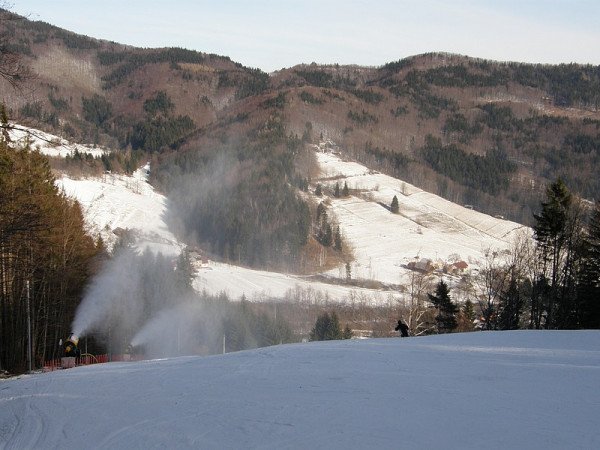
588, 292
320, 211
558, 232
43, 244
318, 191
336, 191
337, 240
395, 207
345, 191
347, 333
327, 328
511, 305
184, 272
328, 236
447, 310
466, 317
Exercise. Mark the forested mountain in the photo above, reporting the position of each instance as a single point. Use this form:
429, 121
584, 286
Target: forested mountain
488, 134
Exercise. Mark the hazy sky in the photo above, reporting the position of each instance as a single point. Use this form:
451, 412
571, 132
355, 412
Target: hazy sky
272, 34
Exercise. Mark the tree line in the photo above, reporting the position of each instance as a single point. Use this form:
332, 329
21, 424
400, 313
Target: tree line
46, 258
489, 173
567, 84
554, 284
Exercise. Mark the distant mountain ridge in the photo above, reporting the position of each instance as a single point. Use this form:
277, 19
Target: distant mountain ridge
474, 131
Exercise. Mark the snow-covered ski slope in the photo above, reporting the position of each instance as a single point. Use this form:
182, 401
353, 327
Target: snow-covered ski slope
117, 202
492, 390
383, 243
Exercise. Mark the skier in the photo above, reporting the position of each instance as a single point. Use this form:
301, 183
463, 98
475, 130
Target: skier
402, 328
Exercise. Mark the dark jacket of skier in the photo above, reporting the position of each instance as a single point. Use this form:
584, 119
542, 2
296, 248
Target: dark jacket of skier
402, 328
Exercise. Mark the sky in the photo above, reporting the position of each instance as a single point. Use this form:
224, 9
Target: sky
273, 34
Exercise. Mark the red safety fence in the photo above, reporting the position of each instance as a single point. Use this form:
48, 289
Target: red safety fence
87, 359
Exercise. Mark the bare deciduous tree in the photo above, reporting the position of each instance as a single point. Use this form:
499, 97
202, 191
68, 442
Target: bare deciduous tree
491, 282
416, 311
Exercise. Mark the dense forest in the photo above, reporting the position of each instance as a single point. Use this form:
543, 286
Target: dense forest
46, 258
237, 200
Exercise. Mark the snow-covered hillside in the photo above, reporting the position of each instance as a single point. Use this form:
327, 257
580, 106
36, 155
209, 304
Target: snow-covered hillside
426, 228
384, 244
493, 390
118, 202
49, 144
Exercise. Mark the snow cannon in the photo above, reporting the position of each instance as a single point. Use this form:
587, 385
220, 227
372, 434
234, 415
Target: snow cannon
71, 349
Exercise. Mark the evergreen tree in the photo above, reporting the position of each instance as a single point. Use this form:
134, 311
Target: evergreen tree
184, 272
589, 277
318, 190
43, 244
320, 211
96, 109
4, 125
347, 333
466, 317
336, 191
161, 103
395, 207
557, 232
337, 244
328, 238
327, 328
447, 310
511, 306
345, 191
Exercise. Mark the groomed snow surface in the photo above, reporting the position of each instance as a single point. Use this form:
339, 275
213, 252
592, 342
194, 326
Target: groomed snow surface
492, 390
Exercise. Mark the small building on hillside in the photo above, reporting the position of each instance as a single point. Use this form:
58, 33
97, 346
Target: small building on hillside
461, 266
456, 268
423, 265
198, 257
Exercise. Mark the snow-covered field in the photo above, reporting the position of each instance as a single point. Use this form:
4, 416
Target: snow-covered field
237, 281
428, 227
49, 144
493, 390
